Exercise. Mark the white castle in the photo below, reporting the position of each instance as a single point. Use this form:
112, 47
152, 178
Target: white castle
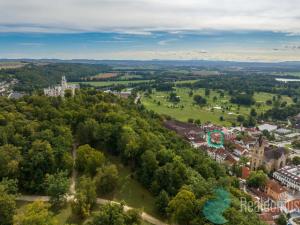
59, 90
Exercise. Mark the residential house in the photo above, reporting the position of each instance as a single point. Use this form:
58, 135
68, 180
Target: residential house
275, 191
240, 150
269, 216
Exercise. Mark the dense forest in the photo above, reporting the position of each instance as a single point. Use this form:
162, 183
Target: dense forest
36, 138
32, 77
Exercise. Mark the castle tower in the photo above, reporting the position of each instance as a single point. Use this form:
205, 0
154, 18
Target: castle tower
63, 82
257, 153
64, 86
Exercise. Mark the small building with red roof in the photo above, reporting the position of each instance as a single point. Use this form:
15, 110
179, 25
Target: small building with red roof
275, 191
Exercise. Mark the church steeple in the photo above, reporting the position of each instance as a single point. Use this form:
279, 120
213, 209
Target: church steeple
257, 153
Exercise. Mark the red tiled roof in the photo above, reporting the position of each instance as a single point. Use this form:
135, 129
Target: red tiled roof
230, 159
245, 172
268, 218
221, 151
275, 186
239, 147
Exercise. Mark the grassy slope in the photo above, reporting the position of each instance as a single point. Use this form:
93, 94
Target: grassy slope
204, 114
131, 191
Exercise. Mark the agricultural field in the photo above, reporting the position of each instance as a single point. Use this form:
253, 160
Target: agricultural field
11, 65
104, 76
185, 109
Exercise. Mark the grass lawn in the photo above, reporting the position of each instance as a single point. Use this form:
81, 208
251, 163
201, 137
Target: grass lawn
210, 113
131, 191
297, 74
110, 83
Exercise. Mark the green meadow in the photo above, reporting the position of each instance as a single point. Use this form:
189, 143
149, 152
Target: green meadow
185, 109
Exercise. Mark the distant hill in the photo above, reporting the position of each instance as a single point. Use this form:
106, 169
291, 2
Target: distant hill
162, 63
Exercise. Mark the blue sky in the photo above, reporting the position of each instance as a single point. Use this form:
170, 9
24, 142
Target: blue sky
257, 30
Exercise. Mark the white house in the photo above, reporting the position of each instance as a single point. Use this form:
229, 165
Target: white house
289, 176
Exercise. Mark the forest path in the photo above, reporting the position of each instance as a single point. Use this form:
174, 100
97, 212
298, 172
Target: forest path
72, 192
74, 172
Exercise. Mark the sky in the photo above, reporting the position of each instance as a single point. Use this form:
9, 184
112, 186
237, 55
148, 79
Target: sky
241, 30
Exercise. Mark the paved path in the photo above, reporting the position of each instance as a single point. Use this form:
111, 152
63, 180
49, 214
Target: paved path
144, 216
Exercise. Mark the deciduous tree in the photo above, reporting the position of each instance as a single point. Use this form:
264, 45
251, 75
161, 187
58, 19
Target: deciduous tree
36, 213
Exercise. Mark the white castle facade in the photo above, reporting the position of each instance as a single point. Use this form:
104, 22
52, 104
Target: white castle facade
59, 90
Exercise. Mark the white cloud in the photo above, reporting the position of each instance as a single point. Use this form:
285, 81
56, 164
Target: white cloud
166, 42
142, 16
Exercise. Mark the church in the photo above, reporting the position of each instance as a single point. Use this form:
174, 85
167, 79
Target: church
269, 157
